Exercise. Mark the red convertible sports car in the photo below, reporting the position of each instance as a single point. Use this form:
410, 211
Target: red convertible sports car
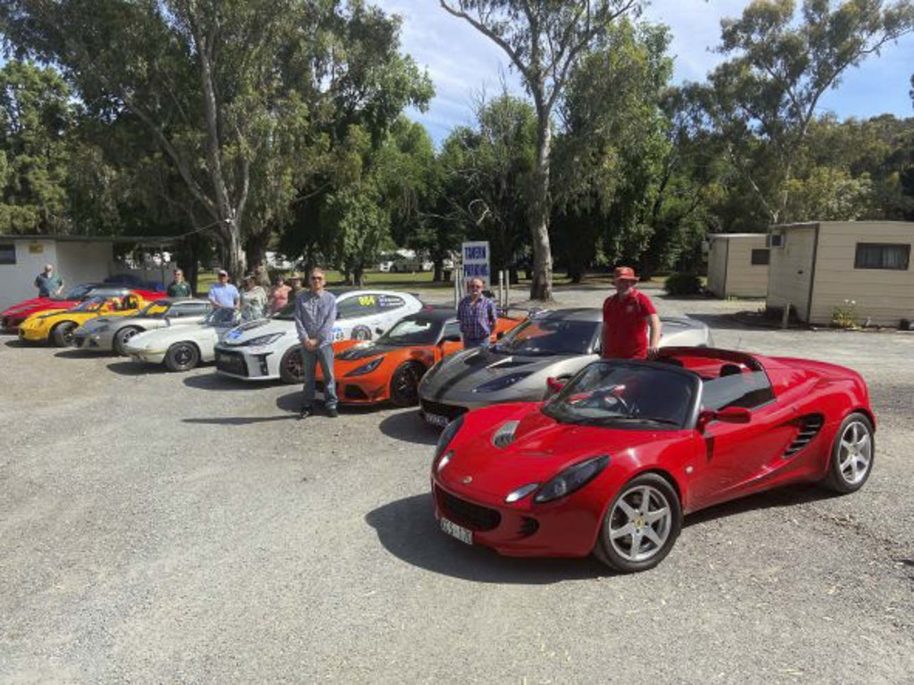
14, 315
611, 462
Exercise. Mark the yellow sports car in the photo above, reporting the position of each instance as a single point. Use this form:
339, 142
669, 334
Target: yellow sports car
57, 326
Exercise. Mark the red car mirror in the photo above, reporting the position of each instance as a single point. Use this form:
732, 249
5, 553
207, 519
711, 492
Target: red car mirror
554, 384
727, 415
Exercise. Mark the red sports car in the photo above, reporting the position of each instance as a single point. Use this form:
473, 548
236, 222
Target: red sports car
611, 462
14, 315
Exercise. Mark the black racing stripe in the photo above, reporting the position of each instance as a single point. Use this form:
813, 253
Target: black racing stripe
482, 359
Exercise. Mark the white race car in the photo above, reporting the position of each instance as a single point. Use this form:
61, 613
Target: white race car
269, 348
181, 348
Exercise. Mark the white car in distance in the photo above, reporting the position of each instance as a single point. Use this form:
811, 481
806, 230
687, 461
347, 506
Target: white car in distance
181, 348
270, 349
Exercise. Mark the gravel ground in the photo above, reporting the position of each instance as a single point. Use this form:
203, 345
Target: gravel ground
160, 528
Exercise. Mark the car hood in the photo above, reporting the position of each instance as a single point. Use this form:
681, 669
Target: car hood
540, 449
37, 303
466, 370
254, 329
365, 350
164, 337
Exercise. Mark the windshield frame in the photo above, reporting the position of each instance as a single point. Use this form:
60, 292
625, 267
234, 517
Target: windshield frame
501, 348
689, 422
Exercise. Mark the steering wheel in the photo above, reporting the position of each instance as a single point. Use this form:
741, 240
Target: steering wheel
610, 399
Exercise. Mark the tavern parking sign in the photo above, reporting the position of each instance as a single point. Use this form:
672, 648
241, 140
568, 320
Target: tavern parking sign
476, 261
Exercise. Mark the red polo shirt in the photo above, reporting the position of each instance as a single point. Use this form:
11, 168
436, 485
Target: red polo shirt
625, 325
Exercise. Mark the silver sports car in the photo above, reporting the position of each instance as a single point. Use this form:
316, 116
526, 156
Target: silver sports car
554, 343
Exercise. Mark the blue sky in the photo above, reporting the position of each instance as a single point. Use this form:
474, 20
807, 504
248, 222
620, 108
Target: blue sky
463, 64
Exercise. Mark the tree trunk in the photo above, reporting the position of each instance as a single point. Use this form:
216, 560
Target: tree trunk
234, 257
438, 269
358, 275
256, 251
538, 216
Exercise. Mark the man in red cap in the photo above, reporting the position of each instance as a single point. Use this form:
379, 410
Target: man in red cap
626, 317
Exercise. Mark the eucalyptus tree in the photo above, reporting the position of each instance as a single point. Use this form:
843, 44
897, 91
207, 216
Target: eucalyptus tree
544, 40
764, 98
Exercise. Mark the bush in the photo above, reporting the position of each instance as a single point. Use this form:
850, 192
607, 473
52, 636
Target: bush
682, 284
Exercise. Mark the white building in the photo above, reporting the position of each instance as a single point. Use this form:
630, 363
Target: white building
738, 264
76, 259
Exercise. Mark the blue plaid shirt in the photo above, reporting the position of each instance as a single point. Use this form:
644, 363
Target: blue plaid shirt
477, 320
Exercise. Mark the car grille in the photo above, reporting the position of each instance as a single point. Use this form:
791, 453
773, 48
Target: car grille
231, 362
354, 392
473, 516
448, 410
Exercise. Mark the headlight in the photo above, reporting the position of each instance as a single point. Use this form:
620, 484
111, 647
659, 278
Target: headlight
501, 383
521, 492
259, 341
444, 460
571, 479
366, 368
447, 435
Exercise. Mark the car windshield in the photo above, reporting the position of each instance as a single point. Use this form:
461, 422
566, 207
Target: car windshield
89, 305
625, 395
287, 313
547, 336
155, 310
77, 292
412, 330
221, 317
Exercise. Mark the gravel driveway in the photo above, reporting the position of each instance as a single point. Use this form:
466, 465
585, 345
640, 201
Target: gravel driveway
161, 527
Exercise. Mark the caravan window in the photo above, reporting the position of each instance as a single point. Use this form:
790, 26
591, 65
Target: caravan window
882, 256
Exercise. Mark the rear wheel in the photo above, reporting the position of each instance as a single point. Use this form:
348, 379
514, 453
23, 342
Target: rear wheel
62, 333
122, 337
182, 356
851, 455
404, 384
641, 525
291, 367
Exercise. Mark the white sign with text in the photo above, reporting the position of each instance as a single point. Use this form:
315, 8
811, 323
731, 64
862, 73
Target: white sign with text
476, 262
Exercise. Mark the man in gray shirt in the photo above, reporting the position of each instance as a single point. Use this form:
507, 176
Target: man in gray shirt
315, 315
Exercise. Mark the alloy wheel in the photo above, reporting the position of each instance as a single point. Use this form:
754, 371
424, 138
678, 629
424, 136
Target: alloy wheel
640, 523
855, 452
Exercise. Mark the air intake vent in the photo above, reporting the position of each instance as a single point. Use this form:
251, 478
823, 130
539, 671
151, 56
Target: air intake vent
504, 436
810, 426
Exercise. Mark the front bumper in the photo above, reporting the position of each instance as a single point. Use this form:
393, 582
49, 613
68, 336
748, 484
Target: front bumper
248, 365
10, 324
32, 335
87, 340
557, 529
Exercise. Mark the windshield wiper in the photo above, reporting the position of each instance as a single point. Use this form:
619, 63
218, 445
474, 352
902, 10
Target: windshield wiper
643, 419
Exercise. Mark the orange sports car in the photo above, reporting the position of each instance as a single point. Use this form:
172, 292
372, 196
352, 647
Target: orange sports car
391, 367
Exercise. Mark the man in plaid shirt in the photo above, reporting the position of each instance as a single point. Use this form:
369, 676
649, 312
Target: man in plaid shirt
477, 316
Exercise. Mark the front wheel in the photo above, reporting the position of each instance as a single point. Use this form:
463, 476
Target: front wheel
641, 525
404, 384
182, 356
62, 335
291, 367
122, 337
852, 455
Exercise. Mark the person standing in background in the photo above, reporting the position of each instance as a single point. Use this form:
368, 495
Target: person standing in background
477, 316
223, 294
279, 295
253, 300
179, 287
315, 315
48, 283
627, 315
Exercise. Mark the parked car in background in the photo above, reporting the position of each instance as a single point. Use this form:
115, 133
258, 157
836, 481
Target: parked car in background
14, 315
58, 326
611, 463
111, 333
269, 348
556, 343
184, 347
403, 264
389, 368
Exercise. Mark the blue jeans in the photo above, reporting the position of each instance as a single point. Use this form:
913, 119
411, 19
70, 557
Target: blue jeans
323, 356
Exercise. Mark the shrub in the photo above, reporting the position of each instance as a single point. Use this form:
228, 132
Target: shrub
682, 284
845, 316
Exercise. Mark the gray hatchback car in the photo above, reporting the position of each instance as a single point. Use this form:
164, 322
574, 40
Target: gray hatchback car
556, 343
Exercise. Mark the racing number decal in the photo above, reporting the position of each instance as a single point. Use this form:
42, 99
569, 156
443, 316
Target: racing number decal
366, 300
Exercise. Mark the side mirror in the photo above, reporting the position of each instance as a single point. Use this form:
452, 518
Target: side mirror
554, 384
379, 330
728, 415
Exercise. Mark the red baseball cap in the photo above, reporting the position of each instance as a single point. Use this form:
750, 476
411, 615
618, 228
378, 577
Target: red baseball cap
624, 273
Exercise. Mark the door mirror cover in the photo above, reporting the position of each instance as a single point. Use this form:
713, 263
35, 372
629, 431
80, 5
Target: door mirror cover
726, 415
554, 384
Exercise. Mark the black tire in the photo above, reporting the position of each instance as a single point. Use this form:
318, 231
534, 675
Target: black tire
62, 333
361, 333
641, 551
404, 384
182, 356
122, 337
291, 366
854, 443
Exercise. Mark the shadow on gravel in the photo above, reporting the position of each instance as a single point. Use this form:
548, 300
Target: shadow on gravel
80, 354
16, 342
788, 496
408, 426
408, 530
218, 382
239, 420
128, 368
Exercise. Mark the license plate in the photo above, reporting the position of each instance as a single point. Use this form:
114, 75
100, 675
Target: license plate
436, 419
463, 534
